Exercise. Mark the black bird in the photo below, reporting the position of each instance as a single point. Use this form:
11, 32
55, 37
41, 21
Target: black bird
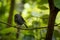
19, 20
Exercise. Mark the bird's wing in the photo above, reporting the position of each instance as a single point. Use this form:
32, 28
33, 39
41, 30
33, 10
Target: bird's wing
22, 18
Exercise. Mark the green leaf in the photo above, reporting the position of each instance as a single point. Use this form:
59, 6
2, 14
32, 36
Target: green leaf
45, 18
43, 7
41, 2
28, 37
57, 3
57, 33
7, 30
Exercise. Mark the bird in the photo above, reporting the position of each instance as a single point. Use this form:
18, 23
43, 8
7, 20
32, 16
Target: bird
19, 20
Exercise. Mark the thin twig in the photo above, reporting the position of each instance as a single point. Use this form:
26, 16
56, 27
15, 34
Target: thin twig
26, 28
32, 28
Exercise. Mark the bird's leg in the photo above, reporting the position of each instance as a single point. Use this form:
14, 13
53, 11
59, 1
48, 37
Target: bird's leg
18, 32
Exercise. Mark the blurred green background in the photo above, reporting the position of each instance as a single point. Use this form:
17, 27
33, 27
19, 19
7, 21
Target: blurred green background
34, 12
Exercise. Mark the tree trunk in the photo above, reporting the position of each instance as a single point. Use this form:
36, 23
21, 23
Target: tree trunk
51, 22
10, 18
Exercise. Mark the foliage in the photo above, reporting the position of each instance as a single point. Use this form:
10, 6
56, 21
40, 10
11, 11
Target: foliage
57, 3
35, 13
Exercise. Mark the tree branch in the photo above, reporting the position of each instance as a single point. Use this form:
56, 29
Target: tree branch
26, 28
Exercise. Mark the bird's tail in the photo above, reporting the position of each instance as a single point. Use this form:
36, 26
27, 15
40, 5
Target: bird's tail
25, 25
